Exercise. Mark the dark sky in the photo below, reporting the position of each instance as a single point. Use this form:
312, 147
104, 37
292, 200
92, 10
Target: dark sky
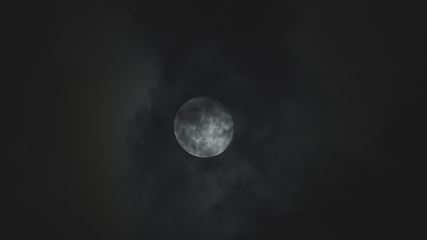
325, 98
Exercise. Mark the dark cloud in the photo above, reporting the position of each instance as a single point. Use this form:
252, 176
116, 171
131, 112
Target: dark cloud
308, 93
318, 92
234, 59
304, 116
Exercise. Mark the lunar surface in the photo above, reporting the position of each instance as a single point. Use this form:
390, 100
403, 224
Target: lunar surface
203, 127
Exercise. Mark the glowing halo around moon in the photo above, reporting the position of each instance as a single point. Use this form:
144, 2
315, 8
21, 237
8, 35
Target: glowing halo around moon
203, 127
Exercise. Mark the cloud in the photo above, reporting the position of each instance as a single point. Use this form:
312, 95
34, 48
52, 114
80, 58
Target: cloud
298, 123
216, 198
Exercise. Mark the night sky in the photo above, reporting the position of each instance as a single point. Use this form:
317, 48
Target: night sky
325, 98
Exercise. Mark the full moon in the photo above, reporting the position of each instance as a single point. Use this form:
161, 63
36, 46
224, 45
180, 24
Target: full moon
203, 127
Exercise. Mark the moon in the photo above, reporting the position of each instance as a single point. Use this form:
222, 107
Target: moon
203, 127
